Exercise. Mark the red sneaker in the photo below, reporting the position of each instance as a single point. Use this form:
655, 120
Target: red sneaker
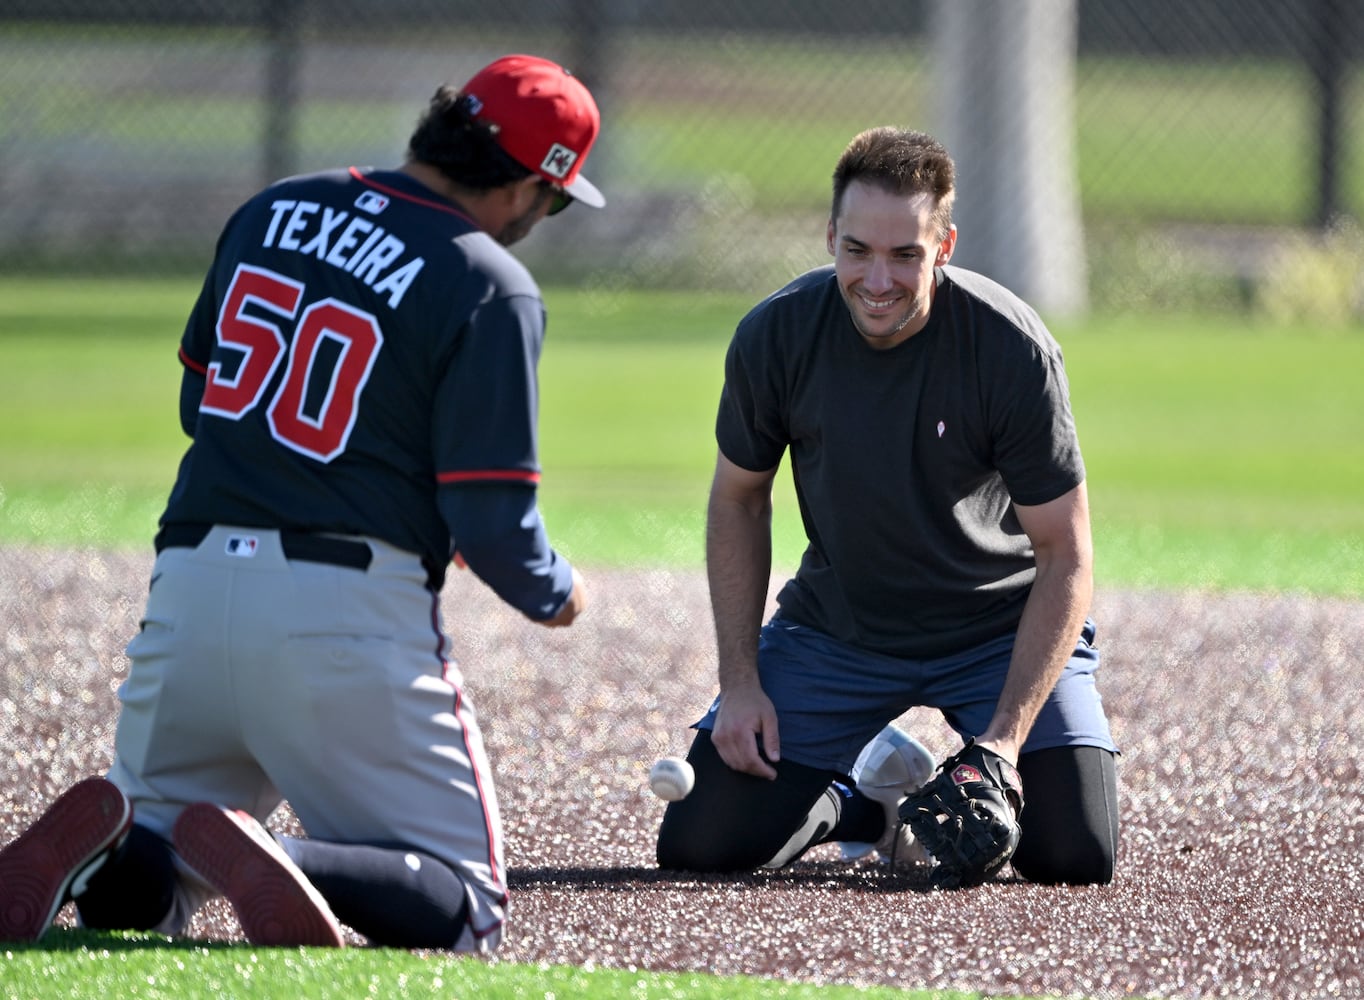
274, 901
51, 860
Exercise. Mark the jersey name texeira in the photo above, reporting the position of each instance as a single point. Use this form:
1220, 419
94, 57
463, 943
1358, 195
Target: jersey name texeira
361, 248
359, 345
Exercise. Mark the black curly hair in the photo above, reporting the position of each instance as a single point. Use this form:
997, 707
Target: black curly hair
449, 138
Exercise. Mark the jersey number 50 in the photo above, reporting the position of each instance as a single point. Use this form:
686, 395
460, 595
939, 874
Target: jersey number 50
314, 408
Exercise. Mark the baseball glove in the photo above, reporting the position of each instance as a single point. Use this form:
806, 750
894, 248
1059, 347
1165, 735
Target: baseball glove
967, 816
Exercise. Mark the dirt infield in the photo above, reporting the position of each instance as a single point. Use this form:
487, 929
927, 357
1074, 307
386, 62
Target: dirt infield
1243, 807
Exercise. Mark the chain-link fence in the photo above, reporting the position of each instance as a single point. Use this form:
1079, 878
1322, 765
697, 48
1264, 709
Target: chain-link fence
1208, 136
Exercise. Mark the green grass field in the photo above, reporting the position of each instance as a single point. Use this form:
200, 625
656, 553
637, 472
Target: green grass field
83, 965
1221, 455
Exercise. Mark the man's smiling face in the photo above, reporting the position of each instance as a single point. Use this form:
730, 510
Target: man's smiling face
885, 247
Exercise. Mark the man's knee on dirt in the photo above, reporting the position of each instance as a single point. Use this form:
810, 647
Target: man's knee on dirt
395, 896
1070, 822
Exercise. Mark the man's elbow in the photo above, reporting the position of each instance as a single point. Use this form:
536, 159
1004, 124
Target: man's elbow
1068, 561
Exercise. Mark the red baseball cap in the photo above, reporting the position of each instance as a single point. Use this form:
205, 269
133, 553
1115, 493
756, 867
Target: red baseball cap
545, 119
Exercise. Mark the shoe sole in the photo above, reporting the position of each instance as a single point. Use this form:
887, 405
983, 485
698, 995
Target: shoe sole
37, 869
275, 903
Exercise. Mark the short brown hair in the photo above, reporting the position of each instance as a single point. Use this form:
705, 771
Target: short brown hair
903, 162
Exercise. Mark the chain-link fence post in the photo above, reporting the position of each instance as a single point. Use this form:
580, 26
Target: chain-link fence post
1006, 74
281, 21
1328, 60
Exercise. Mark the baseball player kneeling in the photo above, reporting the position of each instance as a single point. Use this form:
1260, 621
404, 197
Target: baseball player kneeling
359, 387
927, 415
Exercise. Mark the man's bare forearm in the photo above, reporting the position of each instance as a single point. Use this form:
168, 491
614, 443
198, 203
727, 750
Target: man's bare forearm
738, 568
1052, 618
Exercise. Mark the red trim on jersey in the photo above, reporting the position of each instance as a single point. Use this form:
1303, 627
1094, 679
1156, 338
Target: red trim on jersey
489, 475
439, 206
191, 364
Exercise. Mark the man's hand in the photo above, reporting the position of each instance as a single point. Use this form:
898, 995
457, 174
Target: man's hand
745, 721
573, 607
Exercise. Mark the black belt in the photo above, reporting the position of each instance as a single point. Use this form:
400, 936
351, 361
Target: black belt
296, 545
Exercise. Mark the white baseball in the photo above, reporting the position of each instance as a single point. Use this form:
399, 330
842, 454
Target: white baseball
671, 778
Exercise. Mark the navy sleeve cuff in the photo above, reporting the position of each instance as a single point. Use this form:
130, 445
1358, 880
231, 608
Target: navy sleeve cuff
498, 531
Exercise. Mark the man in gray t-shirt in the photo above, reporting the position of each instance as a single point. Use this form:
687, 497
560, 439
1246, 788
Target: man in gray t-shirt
926, 413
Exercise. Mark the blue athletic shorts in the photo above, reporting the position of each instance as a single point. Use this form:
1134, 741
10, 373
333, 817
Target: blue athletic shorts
832, 698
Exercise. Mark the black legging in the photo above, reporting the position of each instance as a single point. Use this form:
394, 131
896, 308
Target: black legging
737, 822
1070, 816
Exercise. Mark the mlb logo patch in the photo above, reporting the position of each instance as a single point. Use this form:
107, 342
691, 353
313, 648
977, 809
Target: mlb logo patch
372, 202
559, 161
242, 546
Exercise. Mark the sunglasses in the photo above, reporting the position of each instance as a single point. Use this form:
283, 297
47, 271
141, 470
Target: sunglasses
559, 198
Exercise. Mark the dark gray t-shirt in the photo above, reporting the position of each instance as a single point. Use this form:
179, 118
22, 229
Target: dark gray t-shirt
906, 461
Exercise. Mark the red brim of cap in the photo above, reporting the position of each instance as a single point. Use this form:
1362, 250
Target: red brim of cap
586, 192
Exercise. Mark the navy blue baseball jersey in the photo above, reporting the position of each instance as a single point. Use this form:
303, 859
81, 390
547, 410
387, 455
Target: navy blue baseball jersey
362, 360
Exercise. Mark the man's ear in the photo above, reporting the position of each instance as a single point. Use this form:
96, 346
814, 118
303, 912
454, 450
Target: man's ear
522, 193
946, 247
831, 240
